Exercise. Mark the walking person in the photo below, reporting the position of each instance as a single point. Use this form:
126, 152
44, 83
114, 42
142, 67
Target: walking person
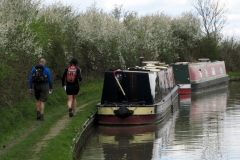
72, 76
41, 84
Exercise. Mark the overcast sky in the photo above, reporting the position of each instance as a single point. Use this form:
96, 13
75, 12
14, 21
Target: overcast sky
170, 7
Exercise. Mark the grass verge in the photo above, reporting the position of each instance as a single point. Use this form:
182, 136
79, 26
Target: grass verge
234, 76
59, 147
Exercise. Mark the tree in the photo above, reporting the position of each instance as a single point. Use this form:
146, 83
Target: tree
213, 15
117, 12
187, 30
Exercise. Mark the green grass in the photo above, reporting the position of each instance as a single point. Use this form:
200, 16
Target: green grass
60, 146
18, 118
234, 76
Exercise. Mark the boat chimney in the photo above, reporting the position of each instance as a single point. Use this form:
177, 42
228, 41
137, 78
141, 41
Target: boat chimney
141, 60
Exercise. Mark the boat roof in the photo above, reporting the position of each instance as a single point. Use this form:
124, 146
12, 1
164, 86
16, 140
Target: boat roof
200, 62
150, 66
153, 63
203, 60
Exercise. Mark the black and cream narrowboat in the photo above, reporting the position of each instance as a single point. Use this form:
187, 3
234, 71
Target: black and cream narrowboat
138, 95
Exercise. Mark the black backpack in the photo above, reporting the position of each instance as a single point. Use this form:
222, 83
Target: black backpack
38, 75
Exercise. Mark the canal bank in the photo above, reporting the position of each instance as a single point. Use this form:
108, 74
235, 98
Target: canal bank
234, 76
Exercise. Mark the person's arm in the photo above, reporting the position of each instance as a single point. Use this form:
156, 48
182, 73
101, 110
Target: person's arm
64, 77
50, 81
79, 74
30, 81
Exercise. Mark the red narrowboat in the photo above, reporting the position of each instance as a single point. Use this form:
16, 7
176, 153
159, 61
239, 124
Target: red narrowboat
199, 75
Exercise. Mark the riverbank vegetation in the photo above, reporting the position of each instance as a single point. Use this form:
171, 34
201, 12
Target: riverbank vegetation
234, 76
99, 40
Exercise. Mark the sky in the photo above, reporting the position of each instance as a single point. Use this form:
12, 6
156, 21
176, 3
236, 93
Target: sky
169, 7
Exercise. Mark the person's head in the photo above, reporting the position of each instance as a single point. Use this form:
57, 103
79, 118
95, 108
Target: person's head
73, 61
42, 61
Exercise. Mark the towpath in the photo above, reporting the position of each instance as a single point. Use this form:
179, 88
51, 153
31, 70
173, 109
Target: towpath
54, 131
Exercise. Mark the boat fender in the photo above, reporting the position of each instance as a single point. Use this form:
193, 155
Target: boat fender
123, 112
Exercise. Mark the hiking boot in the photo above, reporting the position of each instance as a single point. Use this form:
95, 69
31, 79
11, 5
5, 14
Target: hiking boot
41, 117
38, 115
74, 113
70, 112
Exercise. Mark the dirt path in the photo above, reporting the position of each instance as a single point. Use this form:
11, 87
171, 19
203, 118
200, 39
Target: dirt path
54, 131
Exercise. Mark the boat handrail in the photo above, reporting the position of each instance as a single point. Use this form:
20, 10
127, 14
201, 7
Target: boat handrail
203, 60
154, 63
184, 63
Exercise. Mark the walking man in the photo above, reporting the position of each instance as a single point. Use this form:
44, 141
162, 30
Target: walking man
40, 84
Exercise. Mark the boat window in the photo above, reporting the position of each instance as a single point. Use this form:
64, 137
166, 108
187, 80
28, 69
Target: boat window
213, 71
167, 80
206, 72
200, 73
158, 90
221, 70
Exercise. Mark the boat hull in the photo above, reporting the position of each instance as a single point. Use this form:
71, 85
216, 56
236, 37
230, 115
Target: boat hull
134, 119
142, 114
212, 82
185, 88
195, 87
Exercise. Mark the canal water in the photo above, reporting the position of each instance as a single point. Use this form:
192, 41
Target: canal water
205, 127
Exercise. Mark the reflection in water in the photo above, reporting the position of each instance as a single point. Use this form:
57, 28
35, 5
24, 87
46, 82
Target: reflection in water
127, 142
199, 127
131, 142
207, 126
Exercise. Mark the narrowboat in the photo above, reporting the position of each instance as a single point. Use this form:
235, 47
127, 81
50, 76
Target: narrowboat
199, 75
138, 95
